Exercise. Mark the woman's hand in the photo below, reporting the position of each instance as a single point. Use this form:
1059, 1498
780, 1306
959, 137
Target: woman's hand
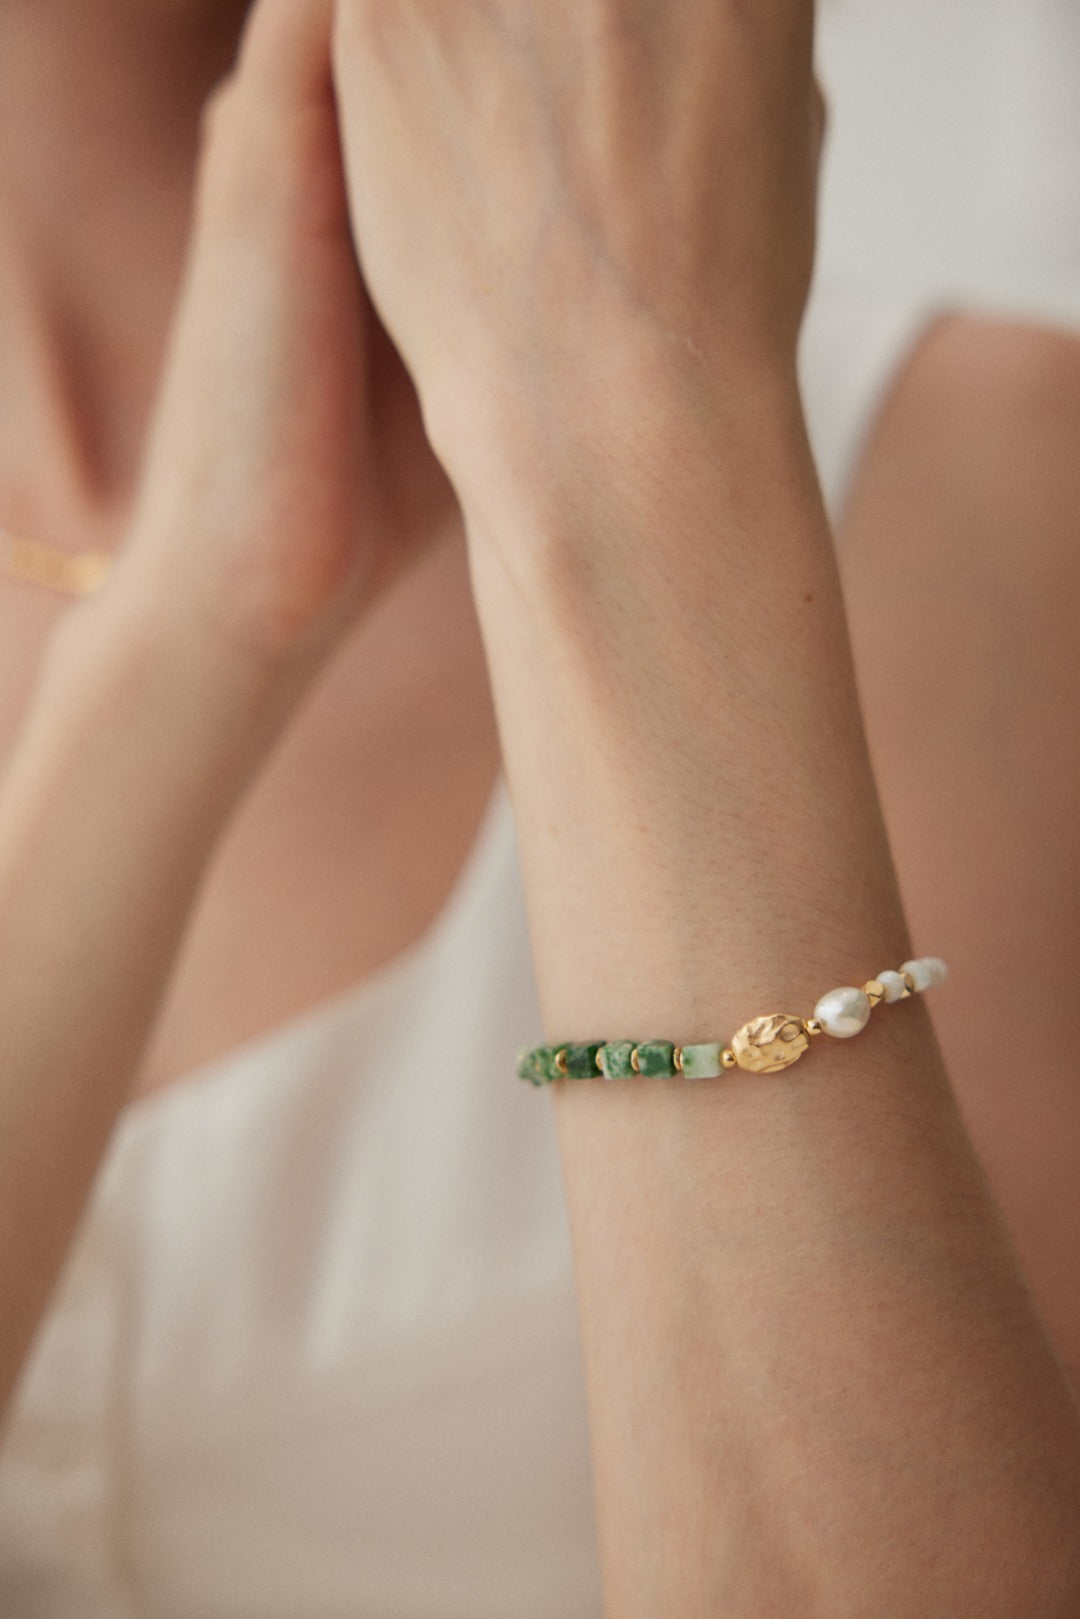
270, 506
557, 202
267, 518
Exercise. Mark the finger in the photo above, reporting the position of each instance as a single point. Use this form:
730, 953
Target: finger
249, 498
285, 49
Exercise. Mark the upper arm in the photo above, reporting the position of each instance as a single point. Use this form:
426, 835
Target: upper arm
960, 556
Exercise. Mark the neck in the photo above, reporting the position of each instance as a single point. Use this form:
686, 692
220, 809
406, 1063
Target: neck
99, 120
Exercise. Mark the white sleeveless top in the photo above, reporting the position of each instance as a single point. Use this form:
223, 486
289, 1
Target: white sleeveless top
315, 1351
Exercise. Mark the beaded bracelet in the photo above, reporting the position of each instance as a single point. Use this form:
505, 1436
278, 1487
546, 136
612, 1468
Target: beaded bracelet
764, 1045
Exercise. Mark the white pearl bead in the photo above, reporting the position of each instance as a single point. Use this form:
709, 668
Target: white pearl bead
843, 1012
892, 983
937, 969
921, 975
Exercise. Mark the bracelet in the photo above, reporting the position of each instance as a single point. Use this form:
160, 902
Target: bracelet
764, 1045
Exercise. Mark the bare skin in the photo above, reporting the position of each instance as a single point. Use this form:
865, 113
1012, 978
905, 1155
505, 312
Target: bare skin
336, 856
200, 1026
962, 576
344, 806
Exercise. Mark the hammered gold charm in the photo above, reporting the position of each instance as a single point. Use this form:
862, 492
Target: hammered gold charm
767, 1044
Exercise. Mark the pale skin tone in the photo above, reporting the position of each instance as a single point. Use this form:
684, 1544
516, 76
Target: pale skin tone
828, 1298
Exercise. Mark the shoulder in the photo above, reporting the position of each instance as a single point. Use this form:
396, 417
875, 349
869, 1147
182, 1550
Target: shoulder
960, 556
989, 410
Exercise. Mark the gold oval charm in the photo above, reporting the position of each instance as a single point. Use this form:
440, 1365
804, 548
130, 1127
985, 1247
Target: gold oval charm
767, 1044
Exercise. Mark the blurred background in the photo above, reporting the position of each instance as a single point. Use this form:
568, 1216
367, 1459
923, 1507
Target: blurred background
950, 180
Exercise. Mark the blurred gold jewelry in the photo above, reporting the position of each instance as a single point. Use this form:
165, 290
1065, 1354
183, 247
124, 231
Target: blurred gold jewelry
30, 562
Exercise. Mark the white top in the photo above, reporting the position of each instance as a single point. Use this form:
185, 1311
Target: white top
315, 1351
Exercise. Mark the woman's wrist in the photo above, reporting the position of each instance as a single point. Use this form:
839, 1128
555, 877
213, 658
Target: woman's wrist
670, 661
176, 715
630, 423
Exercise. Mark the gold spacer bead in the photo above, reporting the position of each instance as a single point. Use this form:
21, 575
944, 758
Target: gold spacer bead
676, 1058
874, 990
560, 1060
909, 984
813, 1025
728, 1058
635, 1065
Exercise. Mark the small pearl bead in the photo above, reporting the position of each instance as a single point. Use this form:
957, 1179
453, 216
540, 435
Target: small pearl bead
920, 972
937, 968
892, 983
843, 1012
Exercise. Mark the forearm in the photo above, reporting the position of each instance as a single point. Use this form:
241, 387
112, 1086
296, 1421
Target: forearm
257, 535
815, 1381
140, 740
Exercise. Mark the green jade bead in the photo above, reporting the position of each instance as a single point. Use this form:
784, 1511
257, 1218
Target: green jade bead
703, 1061
615, 1059
656, 1059
546, 1065
528, 1066
581, 1061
